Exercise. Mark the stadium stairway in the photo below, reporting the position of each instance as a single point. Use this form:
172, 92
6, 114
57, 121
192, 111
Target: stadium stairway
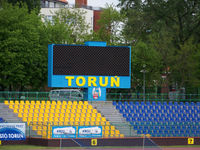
10, 117
114, 117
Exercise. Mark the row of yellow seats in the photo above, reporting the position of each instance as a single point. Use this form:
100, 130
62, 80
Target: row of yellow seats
52, 106
57, 119
55, 109
60, 116
46, 102
83, 115
32, 110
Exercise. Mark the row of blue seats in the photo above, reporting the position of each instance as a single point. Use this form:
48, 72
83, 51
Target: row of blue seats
155, 103
164, 123
162, 119
163, 111
1, 120
132, 107
176, 134
169, 128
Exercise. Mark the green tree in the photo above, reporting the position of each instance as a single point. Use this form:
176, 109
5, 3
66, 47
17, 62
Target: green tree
145, 58
32, 4
172, 29
22, 51
111, 23
68, 26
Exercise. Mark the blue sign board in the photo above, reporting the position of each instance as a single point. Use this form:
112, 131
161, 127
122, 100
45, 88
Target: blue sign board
89, 131
63, 132
12, 131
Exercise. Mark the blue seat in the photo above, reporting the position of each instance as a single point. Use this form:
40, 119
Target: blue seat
114, 103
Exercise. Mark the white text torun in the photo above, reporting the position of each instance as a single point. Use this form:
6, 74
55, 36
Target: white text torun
92, 81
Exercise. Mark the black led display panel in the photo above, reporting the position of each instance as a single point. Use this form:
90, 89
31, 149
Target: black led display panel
91, 60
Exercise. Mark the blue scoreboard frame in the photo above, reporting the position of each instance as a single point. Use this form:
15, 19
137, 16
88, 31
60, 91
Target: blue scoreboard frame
92, 83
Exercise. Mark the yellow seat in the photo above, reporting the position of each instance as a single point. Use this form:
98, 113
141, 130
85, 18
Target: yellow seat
121, 135
85, 102
24, 119
27, 102
82, 119
69, 103
37, 106
77, 119
94, 115
11, 106
71, 119
80, 106
26, 106
66, 119
53, 103
67, 115
72, 115
88, 115
46, 110
64, 103
15, 110
37, 102
90, 107
117, 132
16, 106
93, 119
16, 102
62, 115
53, 106
89, 111
48, 102
112, 127
107, 127
87, 119
66, 123
11, 102
87, 123
85, 107
80, 103
92, 123
31, 110
103, 119
71, 123
107, 123
32, 106
20, 115
32, 102
59, 103
75, 103
52, 111
43, 102
6, 102
57, 111
98, 119
94, 111
97, 123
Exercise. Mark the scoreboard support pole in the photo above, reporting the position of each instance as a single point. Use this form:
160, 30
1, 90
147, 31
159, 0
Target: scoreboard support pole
95, 93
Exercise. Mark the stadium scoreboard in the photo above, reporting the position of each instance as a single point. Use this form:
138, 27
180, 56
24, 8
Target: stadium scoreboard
93, 65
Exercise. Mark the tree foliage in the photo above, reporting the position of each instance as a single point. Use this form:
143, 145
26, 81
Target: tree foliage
21, 48
68, 26
172, 29
111, 22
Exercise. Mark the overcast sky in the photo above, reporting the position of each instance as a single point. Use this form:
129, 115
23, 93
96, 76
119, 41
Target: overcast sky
97, 3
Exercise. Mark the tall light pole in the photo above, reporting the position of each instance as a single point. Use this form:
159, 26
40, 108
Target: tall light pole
143, 71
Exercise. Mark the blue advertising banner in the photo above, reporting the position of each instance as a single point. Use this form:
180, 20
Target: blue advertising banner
12, 131
63, 132
89, 131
